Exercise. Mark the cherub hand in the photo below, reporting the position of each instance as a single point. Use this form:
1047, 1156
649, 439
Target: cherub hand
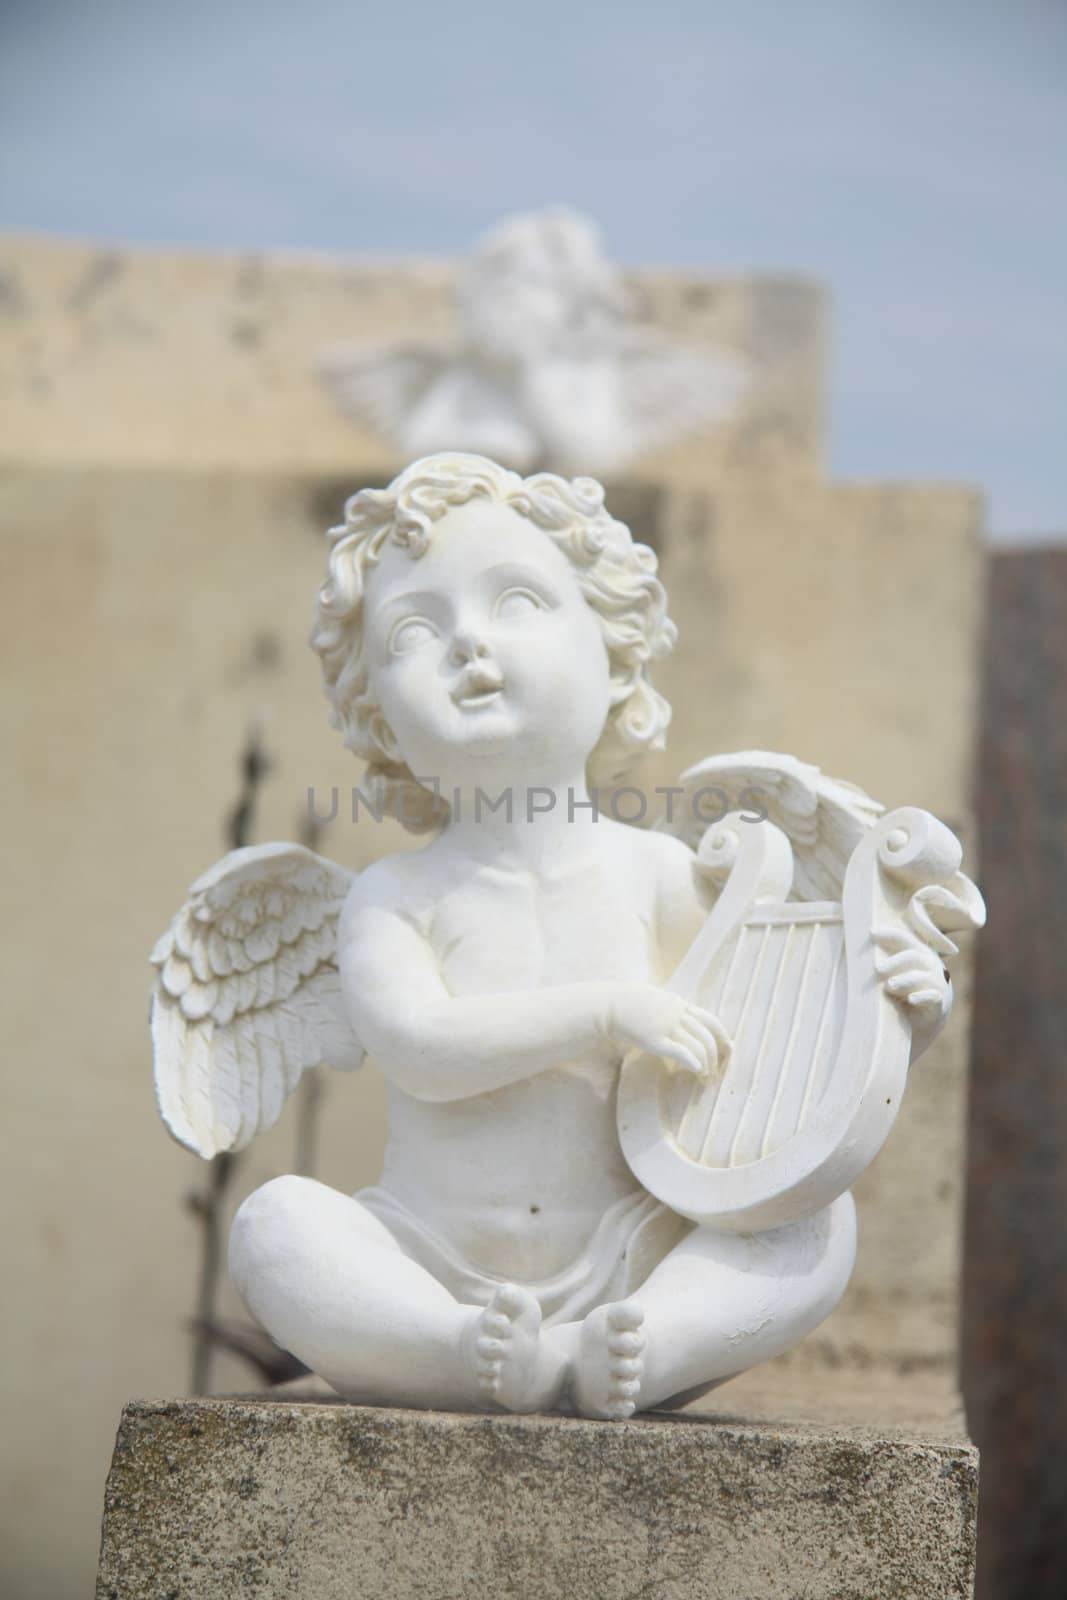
646, 1017
916, 976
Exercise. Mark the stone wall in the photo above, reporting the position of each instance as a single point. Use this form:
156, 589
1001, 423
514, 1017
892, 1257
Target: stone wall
137, 357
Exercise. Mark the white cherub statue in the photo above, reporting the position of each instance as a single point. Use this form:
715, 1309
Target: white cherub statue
630, 1080
549, 368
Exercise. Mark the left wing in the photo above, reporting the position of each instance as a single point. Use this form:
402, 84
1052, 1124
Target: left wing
248, 995
381, 386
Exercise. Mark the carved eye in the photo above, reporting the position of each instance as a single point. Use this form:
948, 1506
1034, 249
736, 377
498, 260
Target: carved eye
515, 604
411, 634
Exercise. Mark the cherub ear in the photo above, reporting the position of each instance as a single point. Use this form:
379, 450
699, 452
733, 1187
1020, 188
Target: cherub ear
385, 738
620, 689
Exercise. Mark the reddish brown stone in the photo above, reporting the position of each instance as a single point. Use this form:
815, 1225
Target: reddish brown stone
1015, 1280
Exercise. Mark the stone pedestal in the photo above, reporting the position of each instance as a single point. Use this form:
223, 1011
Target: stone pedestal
326, 1501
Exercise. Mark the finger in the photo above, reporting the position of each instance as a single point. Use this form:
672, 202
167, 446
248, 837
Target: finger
905, 981
925, 964
895, 938
702, 1015
927, 997
908, 960
708, 1019
672, 1050
701, 1040
698, 1038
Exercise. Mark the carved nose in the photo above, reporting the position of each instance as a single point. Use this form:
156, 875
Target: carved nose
466, 647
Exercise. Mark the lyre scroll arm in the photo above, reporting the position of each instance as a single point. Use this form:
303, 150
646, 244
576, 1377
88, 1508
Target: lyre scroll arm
751, 861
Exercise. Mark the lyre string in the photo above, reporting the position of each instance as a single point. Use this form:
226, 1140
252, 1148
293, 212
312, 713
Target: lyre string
721, 1111
748, 1106
816, 1076
794, 1028
703, 1095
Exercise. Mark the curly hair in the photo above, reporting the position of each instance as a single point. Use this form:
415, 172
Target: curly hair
616, 576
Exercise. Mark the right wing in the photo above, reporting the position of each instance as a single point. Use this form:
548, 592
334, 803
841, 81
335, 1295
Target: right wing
823, 818
248, 995
672, 391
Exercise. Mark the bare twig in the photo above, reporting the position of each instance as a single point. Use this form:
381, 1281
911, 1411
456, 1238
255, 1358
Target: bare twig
271, 1362
210, 1209
255, 765
309, 1103
211, 1205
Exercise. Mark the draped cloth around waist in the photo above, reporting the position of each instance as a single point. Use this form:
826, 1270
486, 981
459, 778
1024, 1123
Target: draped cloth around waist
632, 1238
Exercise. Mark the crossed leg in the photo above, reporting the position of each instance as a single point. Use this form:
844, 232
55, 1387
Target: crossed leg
330, 1284
716, 1305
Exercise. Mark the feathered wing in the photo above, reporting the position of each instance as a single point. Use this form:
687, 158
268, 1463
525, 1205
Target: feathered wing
673, 390
381, 386
823, 818
248, 995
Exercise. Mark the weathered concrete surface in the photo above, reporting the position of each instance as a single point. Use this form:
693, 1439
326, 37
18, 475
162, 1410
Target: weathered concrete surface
115, 356
208, 1500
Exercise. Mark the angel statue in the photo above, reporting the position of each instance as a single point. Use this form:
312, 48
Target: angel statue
632, 1072
550, 368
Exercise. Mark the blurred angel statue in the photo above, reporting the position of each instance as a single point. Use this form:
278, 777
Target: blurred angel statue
550, 368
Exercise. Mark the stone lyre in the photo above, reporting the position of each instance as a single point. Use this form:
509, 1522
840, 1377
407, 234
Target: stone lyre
819, 1057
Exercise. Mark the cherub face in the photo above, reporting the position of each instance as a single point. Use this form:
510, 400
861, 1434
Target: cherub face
483, 654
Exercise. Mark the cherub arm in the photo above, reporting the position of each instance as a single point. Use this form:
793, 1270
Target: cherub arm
438, 1047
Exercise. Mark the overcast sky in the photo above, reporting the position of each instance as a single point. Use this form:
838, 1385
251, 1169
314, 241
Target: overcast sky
910, 154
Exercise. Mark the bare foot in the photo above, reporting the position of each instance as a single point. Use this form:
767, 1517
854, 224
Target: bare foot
611, 1361
512, 1366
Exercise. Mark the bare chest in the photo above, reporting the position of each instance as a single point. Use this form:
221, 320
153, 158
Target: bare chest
508, 931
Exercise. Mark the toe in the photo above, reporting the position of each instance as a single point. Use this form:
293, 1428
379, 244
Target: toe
627, 1344
627, 1367
510, 1300
626, 1317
